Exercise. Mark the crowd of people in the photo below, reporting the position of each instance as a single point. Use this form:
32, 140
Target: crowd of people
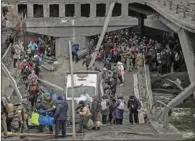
130, 48
28, 60
120, 50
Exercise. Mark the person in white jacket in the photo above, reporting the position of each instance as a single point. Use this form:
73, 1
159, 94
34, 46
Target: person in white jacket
121, 72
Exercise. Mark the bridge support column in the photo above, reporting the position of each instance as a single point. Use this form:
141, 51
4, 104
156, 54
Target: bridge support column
92, 10
125, 9
141, 25
46, 10
30, 11
62, 10
77, 10
188, 53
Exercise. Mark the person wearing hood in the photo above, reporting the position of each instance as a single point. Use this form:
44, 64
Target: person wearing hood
60, 116
134, 106
75, 49
119, 109
121, 72
96, 112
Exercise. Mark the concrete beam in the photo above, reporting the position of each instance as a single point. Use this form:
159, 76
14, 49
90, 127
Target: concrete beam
169, 24
188, 53
125, 9
67, 31
84, 22
186, 23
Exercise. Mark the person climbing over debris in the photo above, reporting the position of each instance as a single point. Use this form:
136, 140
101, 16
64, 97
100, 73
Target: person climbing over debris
33, 93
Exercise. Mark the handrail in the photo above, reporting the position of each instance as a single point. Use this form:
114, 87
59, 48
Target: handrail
10, 45
148, 95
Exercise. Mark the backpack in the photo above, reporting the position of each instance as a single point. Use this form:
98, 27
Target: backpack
104, 105
33, 87
121, 105
13, 51
9, 110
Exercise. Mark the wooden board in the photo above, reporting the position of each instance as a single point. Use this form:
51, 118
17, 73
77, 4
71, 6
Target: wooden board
33, 134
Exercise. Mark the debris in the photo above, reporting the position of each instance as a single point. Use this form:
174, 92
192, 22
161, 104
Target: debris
33, 134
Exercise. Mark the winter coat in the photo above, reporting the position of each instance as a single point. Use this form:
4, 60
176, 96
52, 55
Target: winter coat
133, 104
106, 111
117, 112
75, 48
17, 52
61, 110
95, 109
140, 60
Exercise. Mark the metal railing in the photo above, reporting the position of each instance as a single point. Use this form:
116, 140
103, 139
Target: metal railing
146, 92
187, 8
155, 109
158, 112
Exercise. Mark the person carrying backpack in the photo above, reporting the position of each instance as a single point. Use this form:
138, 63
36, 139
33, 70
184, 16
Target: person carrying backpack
33, 93
105, 108
134, 106
119, 110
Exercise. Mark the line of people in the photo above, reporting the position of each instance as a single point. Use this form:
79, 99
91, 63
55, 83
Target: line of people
128, 47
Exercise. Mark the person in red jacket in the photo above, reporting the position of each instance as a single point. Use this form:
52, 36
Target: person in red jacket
25, 64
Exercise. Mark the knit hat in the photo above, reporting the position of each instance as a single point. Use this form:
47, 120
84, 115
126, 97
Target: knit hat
47, 94
59, 98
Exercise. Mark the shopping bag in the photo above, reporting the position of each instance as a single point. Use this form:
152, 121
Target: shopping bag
90, 124
45, 120
35, 118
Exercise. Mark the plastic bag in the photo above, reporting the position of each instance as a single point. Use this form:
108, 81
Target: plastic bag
35, 119
90, 124
45, 120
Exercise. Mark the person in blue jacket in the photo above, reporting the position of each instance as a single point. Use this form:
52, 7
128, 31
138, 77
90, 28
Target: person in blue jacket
60, 116
75, 49
53, 95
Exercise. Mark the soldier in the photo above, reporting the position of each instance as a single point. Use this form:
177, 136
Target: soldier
3, 116
9, 109
22, 113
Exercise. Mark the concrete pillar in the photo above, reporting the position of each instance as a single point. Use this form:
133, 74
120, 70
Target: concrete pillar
62, 10
189, 56
125, 8
46, 10
30, 11
61, 47
141, 25
77, 10
93, 10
